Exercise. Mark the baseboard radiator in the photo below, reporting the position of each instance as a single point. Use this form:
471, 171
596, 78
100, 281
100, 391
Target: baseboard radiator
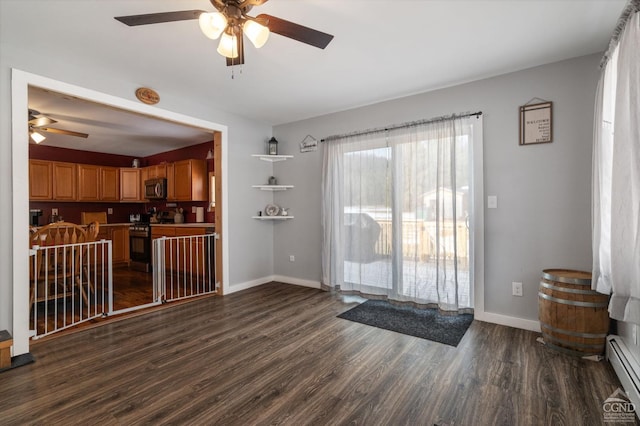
625, 366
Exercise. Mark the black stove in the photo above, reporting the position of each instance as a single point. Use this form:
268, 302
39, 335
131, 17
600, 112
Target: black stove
140, 245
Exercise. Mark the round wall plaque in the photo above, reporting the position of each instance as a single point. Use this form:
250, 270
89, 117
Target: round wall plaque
147, 96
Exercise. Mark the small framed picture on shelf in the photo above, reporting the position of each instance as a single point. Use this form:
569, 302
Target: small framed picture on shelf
536, 123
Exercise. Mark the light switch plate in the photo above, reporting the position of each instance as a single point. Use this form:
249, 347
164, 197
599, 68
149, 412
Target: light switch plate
492, 201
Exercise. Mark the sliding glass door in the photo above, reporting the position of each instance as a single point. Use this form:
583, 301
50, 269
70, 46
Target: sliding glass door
397, 214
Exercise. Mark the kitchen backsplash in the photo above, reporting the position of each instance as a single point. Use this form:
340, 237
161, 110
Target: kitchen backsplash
70, 212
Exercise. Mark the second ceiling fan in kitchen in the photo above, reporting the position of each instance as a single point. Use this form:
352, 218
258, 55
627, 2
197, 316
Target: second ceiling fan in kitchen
40, 123
231, 22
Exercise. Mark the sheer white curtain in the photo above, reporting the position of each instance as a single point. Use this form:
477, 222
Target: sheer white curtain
397, 211
616, 177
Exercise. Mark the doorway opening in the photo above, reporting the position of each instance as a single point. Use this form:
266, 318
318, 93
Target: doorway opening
21, 82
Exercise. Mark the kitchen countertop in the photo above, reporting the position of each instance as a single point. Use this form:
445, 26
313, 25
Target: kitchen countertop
102, 225
186, 225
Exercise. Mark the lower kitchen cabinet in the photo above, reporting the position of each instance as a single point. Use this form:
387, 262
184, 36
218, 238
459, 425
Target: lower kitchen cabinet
119, 237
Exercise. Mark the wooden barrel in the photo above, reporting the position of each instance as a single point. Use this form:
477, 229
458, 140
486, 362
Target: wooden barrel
573, 318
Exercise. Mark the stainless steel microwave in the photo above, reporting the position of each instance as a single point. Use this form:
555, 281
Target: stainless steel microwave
155, 189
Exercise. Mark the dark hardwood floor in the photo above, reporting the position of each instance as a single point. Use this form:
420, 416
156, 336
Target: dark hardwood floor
131, 288
277, 354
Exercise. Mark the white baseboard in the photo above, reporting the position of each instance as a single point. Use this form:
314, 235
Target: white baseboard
280, 278
247, 285
296, 281
515, 322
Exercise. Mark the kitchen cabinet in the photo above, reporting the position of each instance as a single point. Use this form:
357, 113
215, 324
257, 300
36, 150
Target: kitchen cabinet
190, 180
130, 187
40, 176
171, 187
157, 171
144, 175
109, 184
119, 237
64, 181
88, 182
98, 183
60, 181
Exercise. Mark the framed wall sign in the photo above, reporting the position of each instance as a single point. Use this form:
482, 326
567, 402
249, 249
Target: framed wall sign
536, 123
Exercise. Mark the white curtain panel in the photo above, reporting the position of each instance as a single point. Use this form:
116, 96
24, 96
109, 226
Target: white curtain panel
397, 213
616, 178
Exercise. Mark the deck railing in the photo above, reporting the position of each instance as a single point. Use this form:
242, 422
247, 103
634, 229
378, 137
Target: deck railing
420, 239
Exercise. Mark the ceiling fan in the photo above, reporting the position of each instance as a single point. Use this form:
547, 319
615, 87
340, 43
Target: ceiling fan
40, 123
230, 22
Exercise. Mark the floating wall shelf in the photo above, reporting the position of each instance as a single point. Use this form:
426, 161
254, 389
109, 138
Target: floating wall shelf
272, 217
272, 187
272, 158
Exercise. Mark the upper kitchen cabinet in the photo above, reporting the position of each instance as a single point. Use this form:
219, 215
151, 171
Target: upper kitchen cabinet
88, 182
64, 181
98, 183
171, 187
157, 171
130, 186
190, 180
109, 184
40, 176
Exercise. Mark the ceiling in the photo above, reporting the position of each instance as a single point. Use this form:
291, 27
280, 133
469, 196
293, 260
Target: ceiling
110, 130
381, 50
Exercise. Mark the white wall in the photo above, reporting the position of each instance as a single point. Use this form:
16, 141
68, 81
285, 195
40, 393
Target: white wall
543, 218
250, 242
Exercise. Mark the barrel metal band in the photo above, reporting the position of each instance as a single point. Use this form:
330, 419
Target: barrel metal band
569, 351
574, 333
573, 302
566, 280
599, 346
569, 290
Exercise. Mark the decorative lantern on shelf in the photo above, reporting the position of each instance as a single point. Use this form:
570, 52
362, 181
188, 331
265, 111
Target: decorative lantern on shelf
273, 146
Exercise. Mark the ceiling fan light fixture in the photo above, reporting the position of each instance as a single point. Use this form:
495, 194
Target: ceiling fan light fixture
228, 46
212, 24
257, 33
37, 137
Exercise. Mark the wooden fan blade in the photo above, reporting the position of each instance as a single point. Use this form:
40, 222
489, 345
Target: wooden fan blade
240, 59
63, 132
252, 3
41, 121
158, 18
296, 32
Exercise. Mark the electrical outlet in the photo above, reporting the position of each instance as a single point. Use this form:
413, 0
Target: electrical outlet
492, 202
516, 288
109, 210
292, 258
54, 212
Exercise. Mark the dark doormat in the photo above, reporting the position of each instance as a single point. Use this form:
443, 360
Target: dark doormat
424, 323
19, 361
